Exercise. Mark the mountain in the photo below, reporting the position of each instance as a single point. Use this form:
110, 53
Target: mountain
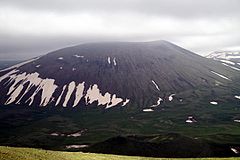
131, 98
110, 74
228, 58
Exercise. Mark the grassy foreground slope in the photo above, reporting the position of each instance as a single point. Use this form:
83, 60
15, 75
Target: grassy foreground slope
13, 153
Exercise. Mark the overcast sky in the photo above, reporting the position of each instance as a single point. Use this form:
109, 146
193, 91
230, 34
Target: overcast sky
34, 27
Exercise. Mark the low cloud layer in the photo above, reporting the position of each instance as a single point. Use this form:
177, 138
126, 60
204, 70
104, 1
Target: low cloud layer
30, 28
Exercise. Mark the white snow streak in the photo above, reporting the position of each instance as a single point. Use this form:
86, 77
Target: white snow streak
147, 110
237, 120
235, 150
8, 74
189, 121
59, 98
78, 56
114, 61
17, 82
155, 84
114, 101
228, 62
109, 60
15, 79
235, 68
214, 103
60, 58
71, 88
47, 87
222, 76
233, 57
238, 97
15, 94
79, 93
36, 82
126, 102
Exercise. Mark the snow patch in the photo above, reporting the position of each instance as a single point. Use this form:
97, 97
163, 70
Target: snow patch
14, 95
77, 134
114, 61
227, 61
235, 150
233, 57
37, 66
78, 56
71, 88
170, 98
8, 74
125, 102
190, 119
147, 110
158, 102
31, 80
224, 55
114, 101
222, 76
59, 98
214, 103
94, 94
76, 146
47, 87
79, 93
155, 84
238, 97
109, 60
36, 83
237, 120
60, 58
54, 134
235, 68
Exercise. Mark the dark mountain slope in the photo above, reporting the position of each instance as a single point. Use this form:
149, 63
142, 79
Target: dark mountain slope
110, 74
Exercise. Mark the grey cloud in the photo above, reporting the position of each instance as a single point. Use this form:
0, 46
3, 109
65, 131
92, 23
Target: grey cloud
16, 44
176, 8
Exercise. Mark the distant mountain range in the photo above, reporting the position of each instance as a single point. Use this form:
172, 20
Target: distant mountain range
228, 58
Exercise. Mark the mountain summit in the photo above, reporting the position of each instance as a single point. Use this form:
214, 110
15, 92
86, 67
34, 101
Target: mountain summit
110, 74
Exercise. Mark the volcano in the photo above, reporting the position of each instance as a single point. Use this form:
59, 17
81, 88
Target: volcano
131, 98
110, 74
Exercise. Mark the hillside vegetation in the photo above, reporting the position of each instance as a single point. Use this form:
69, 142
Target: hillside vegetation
13, 153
